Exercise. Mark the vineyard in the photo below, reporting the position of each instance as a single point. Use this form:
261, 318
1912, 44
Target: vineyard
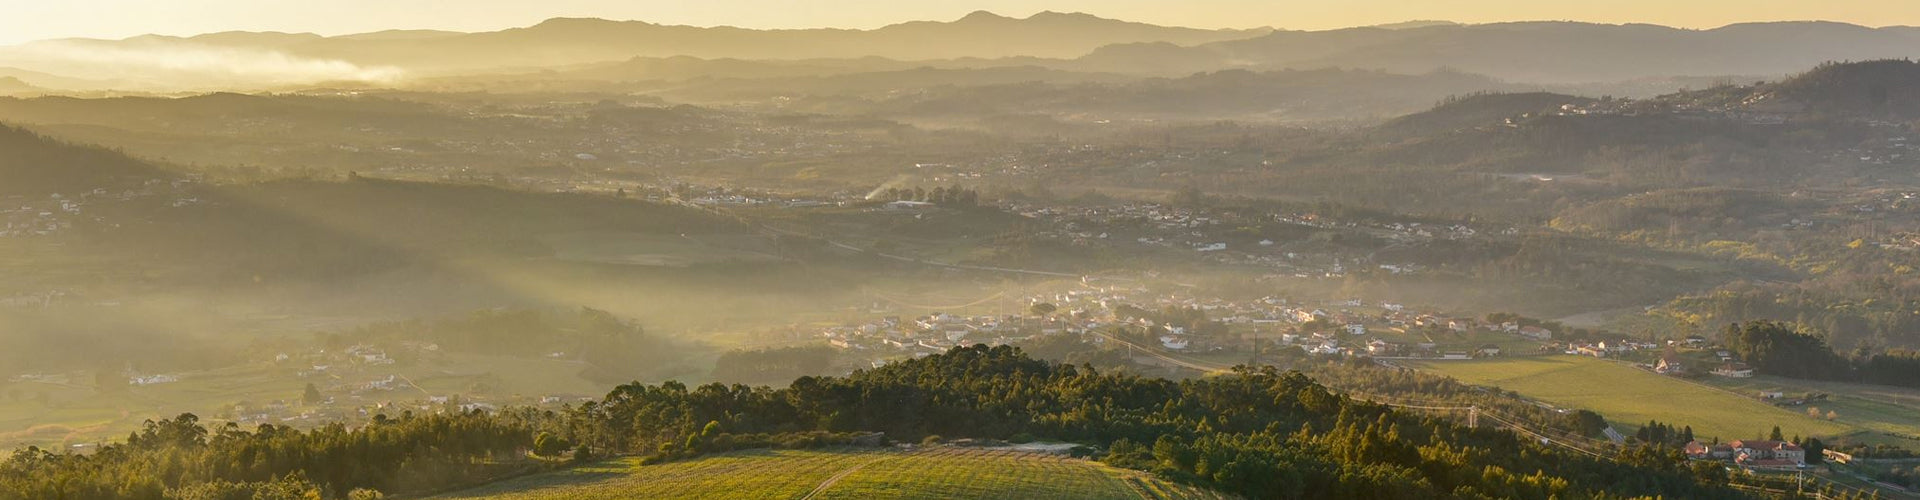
939, 473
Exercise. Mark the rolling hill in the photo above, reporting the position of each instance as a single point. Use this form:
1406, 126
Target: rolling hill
34, 165
563, 41
1886, 88
118, 209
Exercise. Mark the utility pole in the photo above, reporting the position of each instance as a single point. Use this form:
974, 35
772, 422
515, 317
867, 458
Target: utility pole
1473, 416
1255, 362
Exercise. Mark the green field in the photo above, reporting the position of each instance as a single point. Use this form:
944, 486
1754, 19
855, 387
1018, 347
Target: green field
1893, 413
1628, 397
939, 473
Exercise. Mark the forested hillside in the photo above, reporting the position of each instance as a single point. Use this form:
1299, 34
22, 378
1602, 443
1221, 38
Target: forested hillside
1256, 433
33, 165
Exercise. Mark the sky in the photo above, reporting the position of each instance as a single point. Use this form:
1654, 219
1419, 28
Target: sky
25, 20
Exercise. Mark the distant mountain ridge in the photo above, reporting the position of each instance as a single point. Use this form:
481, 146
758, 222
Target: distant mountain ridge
1535, 52
1544, 53
561, 41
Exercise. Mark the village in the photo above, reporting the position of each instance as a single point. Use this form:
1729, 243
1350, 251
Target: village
1177, 323
22, 217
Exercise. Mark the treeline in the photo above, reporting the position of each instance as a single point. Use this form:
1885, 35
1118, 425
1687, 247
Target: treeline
1775, 348
1259, 433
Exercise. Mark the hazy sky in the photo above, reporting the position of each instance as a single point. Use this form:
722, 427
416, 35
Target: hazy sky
23, 20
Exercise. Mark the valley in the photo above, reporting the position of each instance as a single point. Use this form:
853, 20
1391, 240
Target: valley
1051, 255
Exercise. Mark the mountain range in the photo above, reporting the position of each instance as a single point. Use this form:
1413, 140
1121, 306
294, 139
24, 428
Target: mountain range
598, 49
565, 41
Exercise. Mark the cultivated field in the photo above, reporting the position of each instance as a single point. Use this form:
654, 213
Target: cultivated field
1892, 413
1628, 397
940, 473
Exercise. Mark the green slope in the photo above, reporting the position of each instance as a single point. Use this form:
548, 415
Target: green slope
940, 473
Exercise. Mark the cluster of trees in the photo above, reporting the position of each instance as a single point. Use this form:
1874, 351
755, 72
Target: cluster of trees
1656, 432
955, 196
180, 458
1776, 348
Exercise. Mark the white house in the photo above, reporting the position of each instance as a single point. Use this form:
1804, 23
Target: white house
907, 205
1734, 370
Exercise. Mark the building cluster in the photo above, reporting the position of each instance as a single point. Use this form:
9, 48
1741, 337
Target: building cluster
1099, 308
24, 216
1218, 235
1609, 347
1751, 453
938, 332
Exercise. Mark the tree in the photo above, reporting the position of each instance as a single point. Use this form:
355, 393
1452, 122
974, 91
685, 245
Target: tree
312, 395
1816, 450
548, 445
1042, 308
1776, 436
